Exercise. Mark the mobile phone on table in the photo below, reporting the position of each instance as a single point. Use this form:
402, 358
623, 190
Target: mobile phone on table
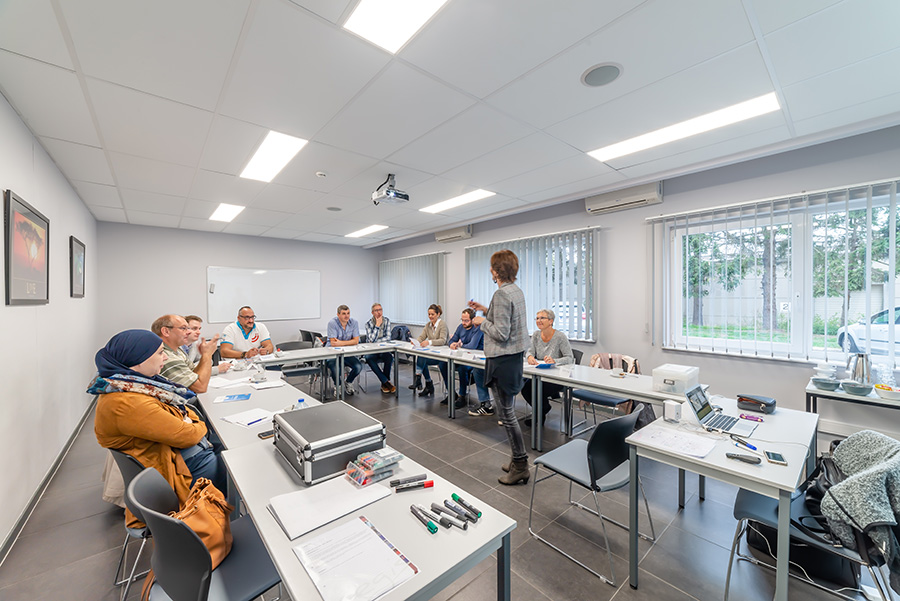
266, 434
773, 457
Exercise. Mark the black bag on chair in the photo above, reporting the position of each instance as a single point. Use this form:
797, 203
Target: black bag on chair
647, 416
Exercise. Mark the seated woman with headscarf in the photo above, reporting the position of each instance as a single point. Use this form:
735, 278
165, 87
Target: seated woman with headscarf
142, 414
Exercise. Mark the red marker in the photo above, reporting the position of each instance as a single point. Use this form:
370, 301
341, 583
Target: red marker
413, 485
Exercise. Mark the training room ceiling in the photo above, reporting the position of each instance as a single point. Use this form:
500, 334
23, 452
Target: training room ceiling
152, 109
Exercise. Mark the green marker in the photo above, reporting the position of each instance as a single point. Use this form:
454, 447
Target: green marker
426, 522
465, 504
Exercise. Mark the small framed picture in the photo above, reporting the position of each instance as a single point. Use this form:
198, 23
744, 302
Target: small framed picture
76, 267
27, 253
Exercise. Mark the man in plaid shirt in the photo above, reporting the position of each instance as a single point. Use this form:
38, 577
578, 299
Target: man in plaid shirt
378, 329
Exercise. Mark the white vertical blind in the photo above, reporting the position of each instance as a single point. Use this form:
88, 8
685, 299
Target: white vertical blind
555, 272
409, 284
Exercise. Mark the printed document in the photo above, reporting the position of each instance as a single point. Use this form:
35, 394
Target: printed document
671, 439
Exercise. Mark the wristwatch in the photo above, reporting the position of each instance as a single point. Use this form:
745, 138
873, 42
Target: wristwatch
244, 355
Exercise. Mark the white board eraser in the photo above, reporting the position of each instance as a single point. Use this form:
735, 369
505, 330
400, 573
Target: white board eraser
672, 411
212, 288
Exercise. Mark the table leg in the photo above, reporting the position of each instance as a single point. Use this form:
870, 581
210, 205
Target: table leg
784, 548
808, 402
681, 489
324, 367
396, 374
339, 385
701, 485
633, 517
568, 411
537, 404
451, 390
504, 581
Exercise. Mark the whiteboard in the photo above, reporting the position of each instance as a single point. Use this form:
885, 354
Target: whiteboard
274, 294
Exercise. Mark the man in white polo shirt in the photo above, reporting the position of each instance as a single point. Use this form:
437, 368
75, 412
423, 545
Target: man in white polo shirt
245, 338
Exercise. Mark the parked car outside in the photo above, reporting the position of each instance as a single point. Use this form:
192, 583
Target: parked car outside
853, 337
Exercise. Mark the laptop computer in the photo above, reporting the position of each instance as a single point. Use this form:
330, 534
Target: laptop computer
711, 420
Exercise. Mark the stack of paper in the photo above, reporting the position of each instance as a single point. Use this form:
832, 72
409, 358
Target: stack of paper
250, 418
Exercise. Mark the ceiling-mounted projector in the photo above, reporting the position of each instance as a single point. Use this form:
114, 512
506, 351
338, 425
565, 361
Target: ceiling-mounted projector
387, 193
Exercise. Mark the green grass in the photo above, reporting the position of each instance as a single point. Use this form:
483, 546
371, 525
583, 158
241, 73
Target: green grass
735, 332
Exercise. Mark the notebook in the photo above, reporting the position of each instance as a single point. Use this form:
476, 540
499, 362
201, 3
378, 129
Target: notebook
712, 420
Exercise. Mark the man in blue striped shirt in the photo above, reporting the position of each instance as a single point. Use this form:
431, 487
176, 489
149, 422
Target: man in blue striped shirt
378, 329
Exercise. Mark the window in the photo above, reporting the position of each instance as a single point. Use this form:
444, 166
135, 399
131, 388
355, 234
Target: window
555, 272
808, 277
409, 285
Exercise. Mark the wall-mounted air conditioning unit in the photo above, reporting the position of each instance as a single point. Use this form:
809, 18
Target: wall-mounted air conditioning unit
629, 198
457, 233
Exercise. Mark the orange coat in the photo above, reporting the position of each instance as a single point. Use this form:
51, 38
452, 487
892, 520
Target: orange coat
151, 431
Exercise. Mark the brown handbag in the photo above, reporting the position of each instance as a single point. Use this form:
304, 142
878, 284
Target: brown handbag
207, 513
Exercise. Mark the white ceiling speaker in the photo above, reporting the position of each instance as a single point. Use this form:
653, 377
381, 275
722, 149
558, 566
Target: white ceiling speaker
629, 198
457, 233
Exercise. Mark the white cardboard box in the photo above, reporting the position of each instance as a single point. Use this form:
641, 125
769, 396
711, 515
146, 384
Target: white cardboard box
675, 378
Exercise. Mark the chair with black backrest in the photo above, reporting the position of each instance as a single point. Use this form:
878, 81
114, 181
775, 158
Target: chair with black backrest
834, 561
306, 336
593, 398
600, 465
181, 562
301, 369
129, 468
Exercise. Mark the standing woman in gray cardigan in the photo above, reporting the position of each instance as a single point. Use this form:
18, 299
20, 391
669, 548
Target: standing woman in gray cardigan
505, 341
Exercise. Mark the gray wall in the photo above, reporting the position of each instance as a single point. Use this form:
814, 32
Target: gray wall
169, 266
623, 273
48, 350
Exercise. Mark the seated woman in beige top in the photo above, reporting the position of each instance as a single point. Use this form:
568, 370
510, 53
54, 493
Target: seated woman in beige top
435, 333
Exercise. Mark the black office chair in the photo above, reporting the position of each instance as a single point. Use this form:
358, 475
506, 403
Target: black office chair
298, 370
593, 399
600, 464
306, 336
129, 468
750, 506
181, 562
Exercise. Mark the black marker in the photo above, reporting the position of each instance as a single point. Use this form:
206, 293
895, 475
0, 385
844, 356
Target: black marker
430, 525
443, 521
450, 516
466, 504
400, 481
462, 513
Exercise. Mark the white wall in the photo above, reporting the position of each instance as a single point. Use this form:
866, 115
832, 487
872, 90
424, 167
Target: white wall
151, 271
46, 356
622, 280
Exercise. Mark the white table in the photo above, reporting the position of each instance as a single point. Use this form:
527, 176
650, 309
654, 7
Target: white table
795, 433
260, 474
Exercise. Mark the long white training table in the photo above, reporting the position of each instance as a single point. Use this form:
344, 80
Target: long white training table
791, 433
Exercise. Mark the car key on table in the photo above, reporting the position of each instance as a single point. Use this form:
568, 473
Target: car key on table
745, 458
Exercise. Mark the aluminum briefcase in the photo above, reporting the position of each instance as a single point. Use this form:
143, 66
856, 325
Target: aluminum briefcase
319, 441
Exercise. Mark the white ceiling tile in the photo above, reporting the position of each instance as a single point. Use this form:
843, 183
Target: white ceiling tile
98, 194
108, 214
221, 187
845, 88
339, 166
883, 109
30, 28
514, 159
467, 136
327, 9
487, 207
361, 187
833, 38
49, 98
556, 174
277, 232
398, 107
138, 173
203, 225
79, 162
694, 92
199, 209
435, 190
307, 69
495, 42
244, 229
187, 65
554, 91
585, 187
317, 237
286, 198
260, 217
137, 123
154, 219
775, 14
230, 144
305, 222
337, 227
150, 202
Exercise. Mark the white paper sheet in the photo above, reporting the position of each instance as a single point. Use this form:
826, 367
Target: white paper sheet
267, 384
353, 562
304, 510
670, 439
220, 382
251, 418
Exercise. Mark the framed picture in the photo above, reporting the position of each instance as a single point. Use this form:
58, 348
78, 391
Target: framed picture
27, 253
76, 267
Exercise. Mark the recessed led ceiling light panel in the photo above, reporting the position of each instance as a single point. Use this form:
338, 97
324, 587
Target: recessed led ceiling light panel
273, 154
366, 231
391, 23
226, 212
458, 201
691, 127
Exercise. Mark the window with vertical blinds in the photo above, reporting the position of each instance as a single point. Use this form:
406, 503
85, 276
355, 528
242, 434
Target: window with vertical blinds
408, 285
811, 276
555, 272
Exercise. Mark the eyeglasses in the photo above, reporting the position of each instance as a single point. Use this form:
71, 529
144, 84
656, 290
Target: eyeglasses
182, 328
541, 318
246, 316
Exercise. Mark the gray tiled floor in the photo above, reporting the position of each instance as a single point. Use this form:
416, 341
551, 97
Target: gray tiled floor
70, 545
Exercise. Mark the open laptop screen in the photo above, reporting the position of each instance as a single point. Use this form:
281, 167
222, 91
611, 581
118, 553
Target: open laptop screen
699, 401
